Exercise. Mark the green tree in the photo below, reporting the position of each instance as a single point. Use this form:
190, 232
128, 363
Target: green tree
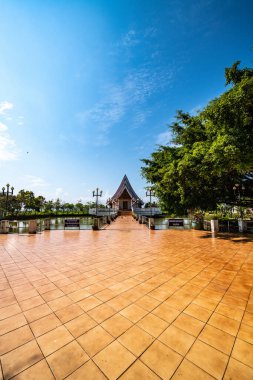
209, 152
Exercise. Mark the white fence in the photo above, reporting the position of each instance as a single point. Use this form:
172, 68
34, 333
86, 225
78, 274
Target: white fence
103, 211
147, 211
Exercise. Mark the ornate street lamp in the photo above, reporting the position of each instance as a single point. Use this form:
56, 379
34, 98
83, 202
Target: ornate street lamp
7, 193
109, 202
96, 193
239, 192
150, 193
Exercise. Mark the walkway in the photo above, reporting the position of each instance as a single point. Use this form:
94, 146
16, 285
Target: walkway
126, 303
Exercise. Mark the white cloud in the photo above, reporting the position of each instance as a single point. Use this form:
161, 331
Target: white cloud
7, 149
130, 39
121, 100
59, 192
34, 182
163, 138
3, 127
5, 106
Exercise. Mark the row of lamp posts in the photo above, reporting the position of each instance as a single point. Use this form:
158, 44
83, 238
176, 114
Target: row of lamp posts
7, 192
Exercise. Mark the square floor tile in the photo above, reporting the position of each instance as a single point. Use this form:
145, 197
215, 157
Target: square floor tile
95, 340
228, 325
147, 303
246, 333
53, 294
88, 371
116, 325
79, 295
106, 295
45, 324
66, 360
15, 338
138, 370
243, 352
189, 371
238, 370
198, 312
69, 312
177, 339
248, 319
114, 360
230, 312
189, 324
31, 303
161, 359
101, 313
153, 325
89, 303
37, 312
20, 359
80, 325
53, 340
133, 312
166, 313
60, 303
9, 311
38, 371
209, 359
217, 338
118, 303
12, 323
136, 340
205, 303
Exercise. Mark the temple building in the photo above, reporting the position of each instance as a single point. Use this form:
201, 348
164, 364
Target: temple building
125, 197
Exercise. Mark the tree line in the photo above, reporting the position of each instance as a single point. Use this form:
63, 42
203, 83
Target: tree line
209, 152
26, 203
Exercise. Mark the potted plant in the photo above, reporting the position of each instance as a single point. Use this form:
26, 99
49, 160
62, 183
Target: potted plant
197, 220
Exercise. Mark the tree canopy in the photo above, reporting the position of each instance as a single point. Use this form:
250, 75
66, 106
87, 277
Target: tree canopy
25, 203
209, 152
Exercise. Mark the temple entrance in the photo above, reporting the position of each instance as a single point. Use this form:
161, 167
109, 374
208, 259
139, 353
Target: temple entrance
125, 197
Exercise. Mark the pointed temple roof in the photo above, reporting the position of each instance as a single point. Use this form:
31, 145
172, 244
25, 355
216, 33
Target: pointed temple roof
125, 186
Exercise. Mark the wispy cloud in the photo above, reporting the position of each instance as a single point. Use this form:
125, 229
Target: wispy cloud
35, 182
20, 120
59, 192
163, 138
123, 99
130, 39
8, 150
5, 106
3, 127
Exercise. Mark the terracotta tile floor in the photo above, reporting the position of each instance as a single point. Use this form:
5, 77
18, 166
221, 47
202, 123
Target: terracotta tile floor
126, 303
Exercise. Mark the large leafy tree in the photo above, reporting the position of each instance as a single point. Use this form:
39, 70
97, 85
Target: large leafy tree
209, 152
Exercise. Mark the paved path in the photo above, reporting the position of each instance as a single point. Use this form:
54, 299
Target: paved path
126, 303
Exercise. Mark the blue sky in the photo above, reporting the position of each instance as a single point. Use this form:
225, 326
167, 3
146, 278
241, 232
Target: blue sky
87, 88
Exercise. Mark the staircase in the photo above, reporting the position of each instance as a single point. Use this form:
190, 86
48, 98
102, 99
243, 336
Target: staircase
124, 213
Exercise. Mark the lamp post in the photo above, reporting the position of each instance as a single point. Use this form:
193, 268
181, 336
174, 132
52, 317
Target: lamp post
109, 204
239, 192
96, 193
7, 192
150, 193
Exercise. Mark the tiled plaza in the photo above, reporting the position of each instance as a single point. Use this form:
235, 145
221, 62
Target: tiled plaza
126, 303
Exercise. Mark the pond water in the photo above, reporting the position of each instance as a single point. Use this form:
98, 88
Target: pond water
163, 224
21, 226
